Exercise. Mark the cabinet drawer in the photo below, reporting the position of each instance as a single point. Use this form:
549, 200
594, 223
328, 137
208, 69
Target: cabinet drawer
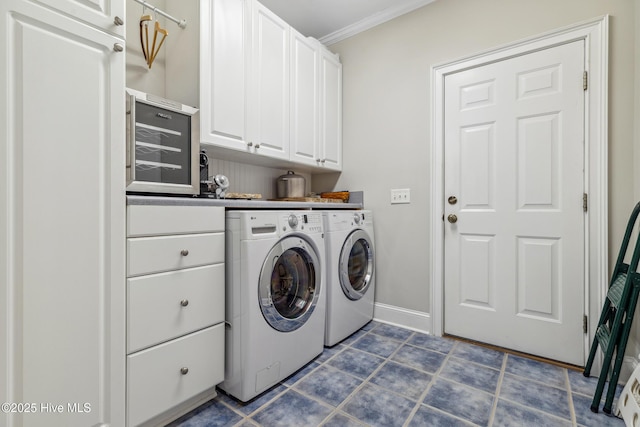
164, 306
152, 220
155, 382
148, 255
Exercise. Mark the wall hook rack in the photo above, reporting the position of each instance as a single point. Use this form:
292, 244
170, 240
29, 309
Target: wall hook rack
181, 22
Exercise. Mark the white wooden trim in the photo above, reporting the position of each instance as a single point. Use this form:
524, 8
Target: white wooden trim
372, 21
595, 33
410, 319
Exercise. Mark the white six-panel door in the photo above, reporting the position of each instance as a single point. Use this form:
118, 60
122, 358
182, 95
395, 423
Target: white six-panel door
514, 236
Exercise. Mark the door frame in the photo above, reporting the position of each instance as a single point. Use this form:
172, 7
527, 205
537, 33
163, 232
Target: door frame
595, 34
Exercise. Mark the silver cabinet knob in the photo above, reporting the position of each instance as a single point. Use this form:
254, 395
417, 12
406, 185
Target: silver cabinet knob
184, 252
184, 302
257, 146
249, 144
118, 47
118, 21
184, 371
452, 218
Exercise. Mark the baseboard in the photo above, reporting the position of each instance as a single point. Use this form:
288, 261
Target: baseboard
184, 408
410, 319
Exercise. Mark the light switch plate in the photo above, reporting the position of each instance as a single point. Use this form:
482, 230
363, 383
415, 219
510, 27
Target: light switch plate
400, 195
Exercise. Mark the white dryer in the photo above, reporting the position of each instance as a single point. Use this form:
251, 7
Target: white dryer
275, 297
350, 272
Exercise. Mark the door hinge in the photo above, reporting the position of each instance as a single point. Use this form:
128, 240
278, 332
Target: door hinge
585, 80
585, 322
585, 202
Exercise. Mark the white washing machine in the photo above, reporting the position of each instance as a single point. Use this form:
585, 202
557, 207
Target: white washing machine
275, 297
350, 272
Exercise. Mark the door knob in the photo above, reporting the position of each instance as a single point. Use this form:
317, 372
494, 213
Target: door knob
452, 200
452, 218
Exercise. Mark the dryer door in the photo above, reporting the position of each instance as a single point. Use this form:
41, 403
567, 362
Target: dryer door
289, 284
356, 264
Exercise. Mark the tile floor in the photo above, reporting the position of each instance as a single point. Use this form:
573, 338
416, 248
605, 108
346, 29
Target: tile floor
389, 376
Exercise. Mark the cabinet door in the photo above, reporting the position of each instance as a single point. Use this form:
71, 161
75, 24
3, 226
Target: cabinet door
304, 99
223, 56
101, 13
330, 111
164, 376
62, 219
269, 97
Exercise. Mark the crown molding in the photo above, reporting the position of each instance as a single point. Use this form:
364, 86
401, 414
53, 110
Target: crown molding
372, 21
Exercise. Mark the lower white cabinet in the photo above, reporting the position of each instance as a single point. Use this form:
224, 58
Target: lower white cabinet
175, 308
168, 305
155, 254
168, 374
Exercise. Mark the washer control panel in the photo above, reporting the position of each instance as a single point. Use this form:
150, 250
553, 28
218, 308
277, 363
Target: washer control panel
310, 222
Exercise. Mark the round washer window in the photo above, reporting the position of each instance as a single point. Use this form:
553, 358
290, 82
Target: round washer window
356, 265
289, 284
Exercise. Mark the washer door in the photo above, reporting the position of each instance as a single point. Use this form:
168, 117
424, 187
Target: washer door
289, 284
356, 264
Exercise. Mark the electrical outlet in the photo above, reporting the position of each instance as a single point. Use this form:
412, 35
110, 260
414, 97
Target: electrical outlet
400, 195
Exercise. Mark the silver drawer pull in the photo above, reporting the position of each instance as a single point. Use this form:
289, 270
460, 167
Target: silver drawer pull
184, 252
184, 371
184, 302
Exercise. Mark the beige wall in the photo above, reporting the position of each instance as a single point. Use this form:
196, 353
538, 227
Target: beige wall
386, 115
139, 76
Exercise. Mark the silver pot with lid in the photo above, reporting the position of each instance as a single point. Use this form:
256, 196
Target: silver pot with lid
290, 185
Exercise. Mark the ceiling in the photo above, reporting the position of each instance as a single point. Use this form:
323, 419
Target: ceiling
333, 20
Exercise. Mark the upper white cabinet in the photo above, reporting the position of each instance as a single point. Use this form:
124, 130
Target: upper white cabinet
62, 215
106, 14
269, 76
330, 110
262, 88
316, 104
305, 67
223, 73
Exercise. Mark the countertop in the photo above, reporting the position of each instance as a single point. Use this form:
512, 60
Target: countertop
236, 203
